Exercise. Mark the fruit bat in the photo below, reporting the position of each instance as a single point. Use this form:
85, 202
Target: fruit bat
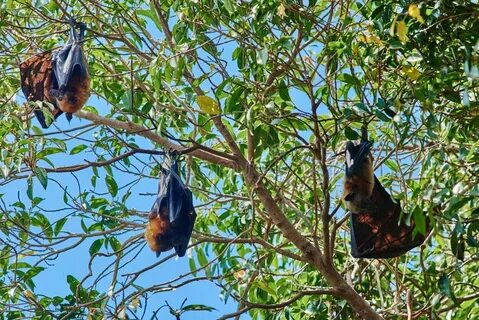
60, 77
378, 229
171, 219
359, 181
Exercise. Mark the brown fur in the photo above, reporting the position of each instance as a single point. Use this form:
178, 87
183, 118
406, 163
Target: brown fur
158, 227
36, 73
76, 94
361, 187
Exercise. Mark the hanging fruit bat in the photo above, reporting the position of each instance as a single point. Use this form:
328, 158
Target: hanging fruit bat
60, 78
171, 219
359, 181
378, 229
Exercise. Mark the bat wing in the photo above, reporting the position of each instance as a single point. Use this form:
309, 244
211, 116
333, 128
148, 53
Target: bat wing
181, 210
162, 197
382, 233
36, 76
69, 62
186, 226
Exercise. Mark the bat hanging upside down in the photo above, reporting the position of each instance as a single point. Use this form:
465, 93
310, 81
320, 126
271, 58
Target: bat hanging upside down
359, 181
171, 219
378, 230
60, 78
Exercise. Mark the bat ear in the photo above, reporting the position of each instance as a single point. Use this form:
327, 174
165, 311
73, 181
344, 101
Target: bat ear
349, 154
158, 253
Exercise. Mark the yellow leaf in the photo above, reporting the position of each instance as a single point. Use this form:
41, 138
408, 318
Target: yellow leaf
401, 31
281, 11
239, 274
411, 72
414, 12
208, 105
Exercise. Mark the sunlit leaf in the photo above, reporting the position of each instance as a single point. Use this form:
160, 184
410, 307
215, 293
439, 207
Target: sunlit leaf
401, 31
415, 12
77, 149
111, 185
208, 105
411, 72
281, 11
42, 176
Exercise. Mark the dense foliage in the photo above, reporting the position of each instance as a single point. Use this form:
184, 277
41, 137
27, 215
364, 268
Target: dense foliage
266, 92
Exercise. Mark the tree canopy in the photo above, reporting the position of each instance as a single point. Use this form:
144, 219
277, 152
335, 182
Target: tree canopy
262, 95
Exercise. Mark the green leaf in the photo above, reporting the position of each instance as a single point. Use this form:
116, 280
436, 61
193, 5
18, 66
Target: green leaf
48, 151
30, 188
264, 286
419, 220
229, 6
351, 134
41, 175
115, 244
381, 115
446, 288
392, 165
95, 203
232, 104
197, 307
96, 246
283, 91
350, 79
201, 258
77, 149
59, 226
111, 185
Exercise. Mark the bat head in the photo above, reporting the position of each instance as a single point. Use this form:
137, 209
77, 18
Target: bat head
69, 62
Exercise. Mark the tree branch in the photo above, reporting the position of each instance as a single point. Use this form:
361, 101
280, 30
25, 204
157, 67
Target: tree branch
133, 128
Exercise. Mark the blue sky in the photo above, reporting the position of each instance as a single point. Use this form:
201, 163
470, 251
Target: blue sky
52, 281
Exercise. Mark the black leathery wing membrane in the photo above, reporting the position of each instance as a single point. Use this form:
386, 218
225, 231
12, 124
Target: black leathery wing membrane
173, 193
69, 59
383, 233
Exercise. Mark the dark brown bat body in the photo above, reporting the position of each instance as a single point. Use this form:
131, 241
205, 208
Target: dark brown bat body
172, 216
377, 228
